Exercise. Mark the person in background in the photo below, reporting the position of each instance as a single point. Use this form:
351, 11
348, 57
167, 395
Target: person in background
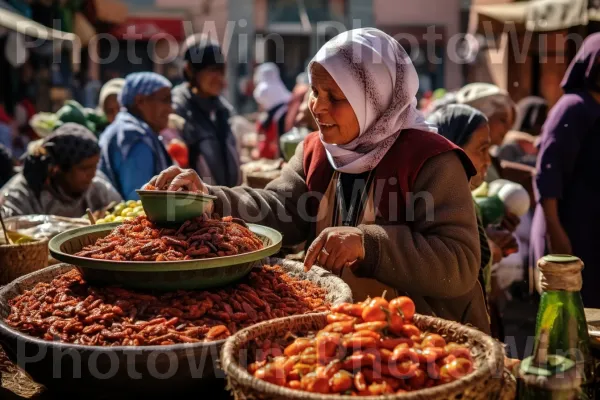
59, 177
468, 128
369, 143
566, 217
499, 109
8, 127
299, 98
273, 99
7, 165
494, 103
108, 102
213, 152
131, 149
532, 112
519, 144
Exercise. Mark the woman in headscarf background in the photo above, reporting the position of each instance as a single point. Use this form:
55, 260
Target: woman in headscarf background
349, 188
212, 147
519, 144
273, 99
109, 98
567, 215
468, 128
131, 149
59, 177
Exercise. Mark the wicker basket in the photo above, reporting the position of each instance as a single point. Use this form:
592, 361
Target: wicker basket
485, 383
21, 259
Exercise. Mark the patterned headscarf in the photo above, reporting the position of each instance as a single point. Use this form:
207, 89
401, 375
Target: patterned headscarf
65, 147
141, 83
376, 75
487, 98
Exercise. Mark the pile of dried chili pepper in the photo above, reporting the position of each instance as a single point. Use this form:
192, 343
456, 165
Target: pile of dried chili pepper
69, 310
368, 349
142, 240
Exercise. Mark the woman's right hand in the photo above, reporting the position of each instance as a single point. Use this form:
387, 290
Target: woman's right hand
175, 179
504, 239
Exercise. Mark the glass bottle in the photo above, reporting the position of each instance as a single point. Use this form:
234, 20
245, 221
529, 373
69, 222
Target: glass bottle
561, 314
546, 376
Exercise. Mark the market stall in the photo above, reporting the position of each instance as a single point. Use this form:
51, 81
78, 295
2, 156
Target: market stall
174, 301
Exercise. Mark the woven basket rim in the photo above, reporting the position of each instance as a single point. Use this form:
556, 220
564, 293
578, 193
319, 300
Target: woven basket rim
235, 371
6, 247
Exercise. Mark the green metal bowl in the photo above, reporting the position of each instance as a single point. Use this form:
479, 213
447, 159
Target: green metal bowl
165, 275
174, 207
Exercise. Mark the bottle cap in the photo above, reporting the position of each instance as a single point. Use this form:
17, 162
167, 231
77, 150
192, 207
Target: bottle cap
560, 272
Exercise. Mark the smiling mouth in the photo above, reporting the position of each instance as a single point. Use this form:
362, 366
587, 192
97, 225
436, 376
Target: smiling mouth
326, 125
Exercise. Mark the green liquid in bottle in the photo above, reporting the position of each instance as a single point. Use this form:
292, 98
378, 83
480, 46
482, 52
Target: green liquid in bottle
561, 313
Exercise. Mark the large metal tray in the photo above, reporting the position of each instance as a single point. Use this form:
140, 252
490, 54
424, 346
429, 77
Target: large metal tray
166, 275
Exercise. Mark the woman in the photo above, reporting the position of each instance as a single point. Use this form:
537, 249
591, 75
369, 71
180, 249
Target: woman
340, 191
492, 101
213, 151
468, 128
531, 115
109, 98
131, 149
59, 177
519, 145
273, 99
566, 216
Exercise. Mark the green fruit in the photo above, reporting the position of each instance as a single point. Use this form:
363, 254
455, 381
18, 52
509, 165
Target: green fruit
130, 215
492, 209
138, 209
129, 218
119, 207
109, 218
102, 221
126, 211
131, 203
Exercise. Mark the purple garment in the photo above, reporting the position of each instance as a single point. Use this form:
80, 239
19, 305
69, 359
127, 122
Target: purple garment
568, 169
584, 69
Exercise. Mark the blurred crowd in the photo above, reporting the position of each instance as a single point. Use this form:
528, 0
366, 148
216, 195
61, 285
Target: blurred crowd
535, 165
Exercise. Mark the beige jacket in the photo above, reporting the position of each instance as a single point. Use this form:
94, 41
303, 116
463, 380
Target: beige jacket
434, 262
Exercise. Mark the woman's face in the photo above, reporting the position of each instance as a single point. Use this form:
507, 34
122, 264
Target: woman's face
500, 123
77, 180
478, 150
211, 80
155, 109
331, 109
111, 108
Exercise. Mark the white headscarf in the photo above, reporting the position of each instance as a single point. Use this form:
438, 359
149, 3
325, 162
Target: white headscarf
114, 86
270, 90
377, 76
486, 97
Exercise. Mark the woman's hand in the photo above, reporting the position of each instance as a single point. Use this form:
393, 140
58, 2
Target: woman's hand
176, 179
503, 239
335, 248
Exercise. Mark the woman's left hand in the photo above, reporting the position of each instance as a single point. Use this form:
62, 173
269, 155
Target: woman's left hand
335, 248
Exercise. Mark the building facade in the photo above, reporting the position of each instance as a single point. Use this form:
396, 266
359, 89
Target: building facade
255, 31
